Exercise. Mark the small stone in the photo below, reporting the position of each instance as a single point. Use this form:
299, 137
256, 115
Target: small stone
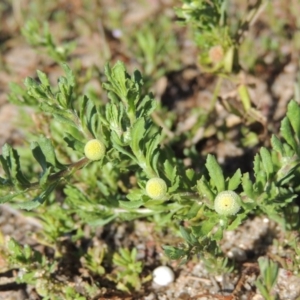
163, 275
258, 297
237, 254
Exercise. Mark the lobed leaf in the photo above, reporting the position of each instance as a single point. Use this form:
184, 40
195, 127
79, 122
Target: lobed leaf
173, 252
267, 162
135, 194
152, 147
10, 196
248, 186
37, 201
215, 172
146, 106
69, 73
44, 178
205, 190
191, 175
234, 181
46, 149
18, 96
137, 133
293, 114
4, 160
11, 164
187, 236
277, 145
260, 175
287, 133
43, 78
169, 170
38, 155
97, 218
74, 143
116, 77
131, 204
205, 227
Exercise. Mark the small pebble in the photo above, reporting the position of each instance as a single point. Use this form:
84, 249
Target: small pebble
238, 254
258, 297
163, 275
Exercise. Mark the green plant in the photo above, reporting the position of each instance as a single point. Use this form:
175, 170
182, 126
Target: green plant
98, 192
132, 140
217, 34
112, 163
287, 252
44, 39
155, 48
94, 258
267, 279
127, 275
37, 270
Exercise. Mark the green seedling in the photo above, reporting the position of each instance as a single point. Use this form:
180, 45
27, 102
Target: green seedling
128, 270
217, 33
43, 39
267, 279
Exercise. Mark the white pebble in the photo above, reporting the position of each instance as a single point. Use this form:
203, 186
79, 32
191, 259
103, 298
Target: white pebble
163, 275
117, 33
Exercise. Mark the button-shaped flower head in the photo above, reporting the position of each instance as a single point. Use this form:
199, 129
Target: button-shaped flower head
94, 149
227, 203
216, 54
156, 188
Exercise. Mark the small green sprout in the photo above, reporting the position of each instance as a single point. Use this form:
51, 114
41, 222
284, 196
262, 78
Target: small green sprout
268, 278
156, 188
227, 203
42, 287
187, 9
94, 149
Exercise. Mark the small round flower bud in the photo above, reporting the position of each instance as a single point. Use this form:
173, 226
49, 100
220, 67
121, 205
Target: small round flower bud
163, 275
94, 149
227, 203
216, 54
156, 188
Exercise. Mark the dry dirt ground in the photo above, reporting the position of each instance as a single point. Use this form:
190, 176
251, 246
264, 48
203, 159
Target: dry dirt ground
272, 86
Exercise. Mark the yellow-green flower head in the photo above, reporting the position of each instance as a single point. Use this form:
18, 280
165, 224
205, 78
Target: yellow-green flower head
156, 188
94, 149
227, 203
216, 54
